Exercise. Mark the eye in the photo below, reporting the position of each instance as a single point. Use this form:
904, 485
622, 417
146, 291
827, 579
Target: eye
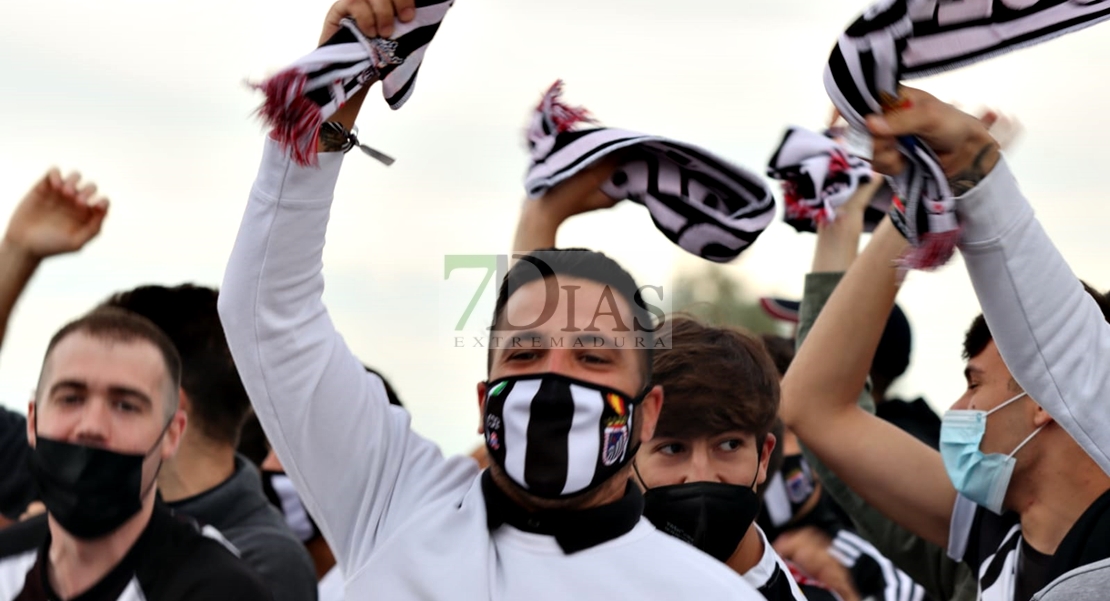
671, 449
522, 356
731, 444
595, 359
70, 399
126, 406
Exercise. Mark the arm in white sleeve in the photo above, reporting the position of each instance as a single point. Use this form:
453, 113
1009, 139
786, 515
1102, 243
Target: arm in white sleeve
1050, 332
352, 456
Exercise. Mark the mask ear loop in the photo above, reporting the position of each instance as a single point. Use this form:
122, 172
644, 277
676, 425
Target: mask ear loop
158, 470
758, 460
636, 468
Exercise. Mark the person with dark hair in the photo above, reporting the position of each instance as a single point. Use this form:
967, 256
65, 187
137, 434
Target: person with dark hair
562, 408
103, 421
711, 448
1011, 492
207, 479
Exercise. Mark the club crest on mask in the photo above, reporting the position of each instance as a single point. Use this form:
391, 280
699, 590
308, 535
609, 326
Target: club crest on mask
616, 435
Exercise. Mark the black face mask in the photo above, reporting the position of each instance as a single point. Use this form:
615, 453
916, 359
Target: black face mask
712, 516
89, 491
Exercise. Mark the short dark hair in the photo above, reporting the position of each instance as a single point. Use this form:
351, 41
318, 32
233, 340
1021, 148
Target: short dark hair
115, 325
781, 350
714, 379
187, 314
979, 335
584, 264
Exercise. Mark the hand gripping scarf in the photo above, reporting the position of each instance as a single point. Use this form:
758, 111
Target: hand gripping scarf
818, 176
903, 39
301, 97
702, 203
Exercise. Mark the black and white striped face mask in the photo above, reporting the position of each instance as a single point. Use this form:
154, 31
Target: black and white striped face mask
555, 436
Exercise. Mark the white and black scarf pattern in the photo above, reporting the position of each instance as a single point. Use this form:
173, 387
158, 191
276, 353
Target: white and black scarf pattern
702, 203
903, 39
818, 176
305, 94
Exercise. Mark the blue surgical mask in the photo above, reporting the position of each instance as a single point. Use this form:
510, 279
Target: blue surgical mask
981, 477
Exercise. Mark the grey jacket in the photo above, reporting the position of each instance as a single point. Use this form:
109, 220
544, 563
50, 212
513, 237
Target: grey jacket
241, 512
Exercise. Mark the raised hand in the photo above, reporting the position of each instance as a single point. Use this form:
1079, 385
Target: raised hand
961, 142
540, 219
58, 215
374, 17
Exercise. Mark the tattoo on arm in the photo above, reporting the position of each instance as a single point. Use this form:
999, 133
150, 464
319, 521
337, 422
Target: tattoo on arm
965, 180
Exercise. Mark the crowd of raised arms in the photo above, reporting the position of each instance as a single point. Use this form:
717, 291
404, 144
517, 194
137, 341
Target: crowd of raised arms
189, 444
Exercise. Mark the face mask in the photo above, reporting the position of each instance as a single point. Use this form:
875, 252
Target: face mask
798, 481
712, 516
980, 477
279, 490
555, 436
90, 492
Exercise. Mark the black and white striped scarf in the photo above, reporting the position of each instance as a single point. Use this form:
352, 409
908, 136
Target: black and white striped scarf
818, 176
903, 39
304, 95
702, 203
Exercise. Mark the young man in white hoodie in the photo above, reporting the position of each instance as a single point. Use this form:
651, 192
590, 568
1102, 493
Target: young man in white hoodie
1015, 490
556, 517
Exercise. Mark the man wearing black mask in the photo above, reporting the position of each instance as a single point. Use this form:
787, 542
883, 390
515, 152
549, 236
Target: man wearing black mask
556, 517
103, 419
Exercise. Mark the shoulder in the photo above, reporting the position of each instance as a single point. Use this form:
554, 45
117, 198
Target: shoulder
666, 555
24, 536
277, 556
186, 564
1087, 583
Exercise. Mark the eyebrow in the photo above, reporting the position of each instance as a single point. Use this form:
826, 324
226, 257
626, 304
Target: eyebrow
116, 391
970, 370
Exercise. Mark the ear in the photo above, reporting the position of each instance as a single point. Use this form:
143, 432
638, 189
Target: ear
31, 440
765, 457
1040, 416
481, 407
271, 463
172, 440
650, 408
183, 402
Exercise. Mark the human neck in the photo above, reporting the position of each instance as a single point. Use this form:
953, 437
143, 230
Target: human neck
199, 466
76, 565
609, 492
1060, 489
748, 553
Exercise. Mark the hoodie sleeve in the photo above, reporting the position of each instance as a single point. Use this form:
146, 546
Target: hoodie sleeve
352, 456
1050, 332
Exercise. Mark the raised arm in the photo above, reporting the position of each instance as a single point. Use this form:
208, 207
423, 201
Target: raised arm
892, 471
1050, 332
352, 456
57, 216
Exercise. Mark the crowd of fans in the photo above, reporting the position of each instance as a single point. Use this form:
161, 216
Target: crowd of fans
189, 443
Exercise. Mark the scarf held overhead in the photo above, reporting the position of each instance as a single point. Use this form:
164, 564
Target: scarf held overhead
818, 176
302, 96
903, 39
702, 203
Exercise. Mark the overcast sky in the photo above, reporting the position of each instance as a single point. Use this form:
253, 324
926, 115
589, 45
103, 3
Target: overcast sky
147, 99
